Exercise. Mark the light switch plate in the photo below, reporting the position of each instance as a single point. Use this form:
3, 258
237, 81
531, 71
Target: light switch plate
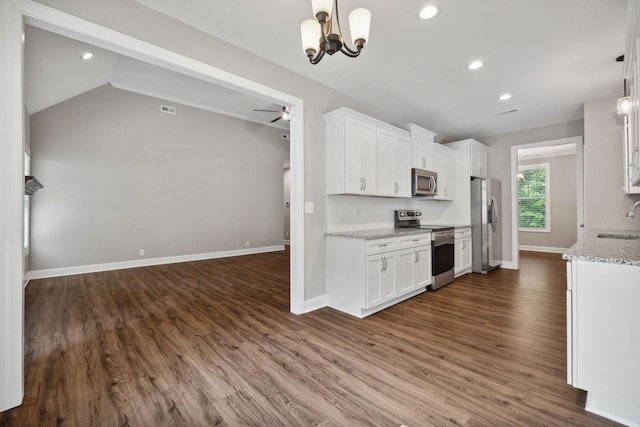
308, 207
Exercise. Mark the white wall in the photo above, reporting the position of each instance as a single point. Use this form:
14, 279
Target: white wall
605, 202
563, 234
500, 164
121, 176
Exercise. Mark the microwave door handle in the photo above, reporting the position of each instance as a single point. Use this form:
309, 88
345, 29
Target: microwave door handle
432, 184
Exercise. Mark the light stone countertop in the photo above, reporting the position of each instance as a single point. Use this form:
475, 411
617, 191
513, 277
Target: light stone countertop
382, 233
611, 251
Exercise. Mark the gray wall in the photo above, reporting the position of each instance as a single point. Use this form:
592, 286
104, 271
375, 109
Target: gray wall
138, 21
500, 164
562, 174
122, 176
605, 202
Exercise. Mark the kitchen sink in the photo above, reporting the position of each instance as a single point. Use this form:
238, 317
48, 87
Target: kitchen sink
622, 236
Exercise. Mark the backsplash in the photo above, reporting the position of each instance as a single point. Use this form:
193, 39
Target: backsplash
346, 213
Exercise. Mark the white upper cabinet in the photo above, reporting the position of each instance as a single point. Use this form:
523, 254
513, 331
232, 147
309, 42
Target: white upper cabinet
631, 148
479, 155
444, 163
359, 157
394, 168
366, 156
421, 146
474, 155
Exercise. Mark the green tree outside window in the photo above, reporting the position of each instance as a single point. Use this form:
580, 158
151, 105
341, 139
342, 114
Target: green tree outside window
533, 197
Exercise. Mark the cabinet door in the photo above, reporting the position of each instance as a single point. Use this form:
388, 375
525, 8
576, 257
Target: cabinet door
381, 283
360, 157
402, 166
421, 152
389, 276
444, 164
385, 144
457, 257
466, 255
407, 260
373, 282
478, 161
450, 168
423, 266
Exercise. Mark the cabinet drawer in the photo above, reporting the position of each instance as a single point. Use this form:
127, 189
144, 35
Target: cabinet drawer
414, 240
462, 232
379, 246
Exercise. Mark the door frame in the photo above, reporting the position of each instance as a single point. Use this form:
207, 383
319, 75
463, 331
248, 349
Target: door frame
579, 142
14, 14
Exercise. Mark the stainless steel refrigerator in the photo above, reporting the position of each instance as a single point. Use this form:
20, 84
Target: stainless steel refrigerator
486, 234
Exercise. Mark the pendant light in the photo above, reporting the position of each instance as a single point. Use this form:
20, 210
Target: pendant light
319, 39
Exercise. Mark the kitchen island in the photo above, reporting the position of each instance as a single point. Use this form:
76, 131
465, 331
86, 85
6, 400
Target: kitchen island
603, 323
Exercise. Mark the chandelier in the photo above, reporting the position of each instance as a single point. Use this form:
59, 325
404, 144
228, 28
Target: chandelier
319, 39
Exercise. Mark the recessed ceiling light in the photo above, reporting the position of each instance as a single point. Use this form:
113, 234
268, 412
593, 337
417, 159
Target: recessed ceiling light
428, 12
475, 65
87, 55
504, 96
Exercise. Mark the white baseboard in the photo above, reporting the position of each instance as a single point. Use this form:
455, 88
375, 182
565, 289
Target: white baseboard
315, 303
81, 269
508, 265
542, 249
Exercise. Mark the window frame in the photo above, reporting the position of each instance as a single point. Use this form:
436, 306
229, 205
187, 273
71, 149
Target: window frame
547, 214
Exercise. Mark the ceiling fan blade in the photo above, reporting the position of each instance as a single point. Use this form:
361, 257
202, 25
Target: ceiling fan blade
276, 119
268, 111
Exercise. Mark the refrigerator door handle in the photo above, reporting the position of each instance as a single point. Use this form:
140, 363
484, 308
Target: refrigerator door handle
493, 220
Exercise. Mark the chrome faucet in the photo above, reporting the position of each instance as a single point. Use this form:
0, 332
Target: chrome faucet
631, 214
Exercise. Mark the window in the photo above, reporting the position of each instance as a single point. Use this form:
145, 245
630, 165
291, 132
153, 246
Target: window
533, 198
26, 208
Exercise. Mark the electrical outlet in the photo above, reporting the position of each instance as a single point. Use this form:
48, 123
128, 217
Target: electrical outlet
141, 252
308, 207
247, 243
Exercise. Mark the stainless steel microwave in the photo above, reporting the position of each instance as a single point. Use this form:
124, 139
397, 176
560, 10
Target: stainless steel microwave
423, 183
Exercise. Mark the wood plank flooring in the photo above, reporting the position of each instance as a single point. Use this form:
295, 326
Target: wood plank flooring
212, 343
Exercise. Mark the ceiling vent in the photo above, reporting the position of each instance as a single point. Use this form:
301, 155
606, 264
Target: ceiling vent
515, 110
167, 109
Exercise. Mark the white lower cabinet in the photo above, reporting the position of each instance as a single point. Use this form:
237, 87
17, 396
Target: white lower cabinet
381, 279
603, 343
366, 276
462, 251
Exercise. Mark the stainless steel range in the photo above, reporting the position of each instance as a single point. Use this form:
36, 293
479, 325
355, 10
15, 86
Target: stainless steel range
442, 245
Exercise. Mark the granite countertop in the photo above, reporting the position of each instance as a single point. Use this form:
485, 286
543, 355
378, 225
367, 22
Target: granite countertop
611, 251
382, 233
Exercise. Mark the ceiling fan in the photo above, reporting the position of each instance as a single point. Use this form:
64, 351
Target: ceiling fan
284, 114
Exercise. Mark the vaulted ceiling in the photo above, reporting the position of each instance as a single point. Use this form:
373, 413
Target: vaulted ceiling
55, 73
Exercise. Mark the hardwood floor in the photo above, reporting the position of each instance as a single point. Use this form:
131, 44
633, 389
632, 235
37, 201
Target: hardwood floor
212, 343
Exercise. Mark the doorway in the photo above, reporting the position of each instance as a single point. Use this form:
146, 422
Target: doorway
531, 162
14, 16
